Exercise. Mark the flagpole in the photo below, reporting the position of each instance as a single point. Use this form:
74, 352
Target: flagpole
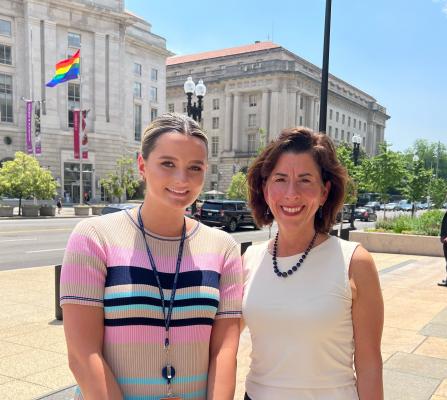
81, 181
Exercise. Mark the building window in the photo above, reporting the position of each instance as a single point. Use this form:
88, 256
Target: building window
330, 114
337, 114
342, 134
214, 146
214, 169
301, 102
336, 133
364, 141
349, 121
251, 120
137, 89
215, 104
252, 100
301, 121
74, 101
154, 74
251, 143
348, 137
5, 54
343, 118
154, 113
137, 69
74, 40
330, 130
5, 28
137, 121
185, 107
215, 122
364, 126
355, 123
171, 107
153, 94
6, 98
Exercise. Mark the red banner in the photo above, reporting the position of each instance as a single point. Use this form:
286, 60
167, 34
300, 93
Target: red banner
84, 140
76, 142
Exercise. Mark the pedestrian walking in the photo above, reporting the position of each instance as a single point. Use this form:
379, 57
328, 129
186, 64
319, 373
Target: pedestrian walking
151, 298
443, 235
306, 292
59, 205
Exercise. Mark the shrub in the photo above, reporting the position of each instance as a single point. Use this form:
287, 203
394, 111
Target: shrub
429, 223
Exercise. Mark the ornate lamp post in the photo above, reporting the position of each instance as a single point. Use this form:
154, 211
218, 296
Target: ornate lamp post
356, 140
193, 110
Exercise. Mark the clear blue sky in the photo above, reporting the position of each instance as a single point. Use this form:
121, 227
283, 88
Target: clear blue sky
395, 50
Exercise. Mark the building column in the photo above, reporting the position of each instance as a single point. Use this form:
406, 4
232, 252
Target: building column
283, 109
265, 113
236, 117
274, 114
292, 110
311, 112
316, 114
298, 109
228, 122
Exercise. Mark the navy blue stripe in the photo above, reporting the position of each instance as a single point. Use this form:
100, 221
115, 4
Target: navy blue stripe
157, 322
80, 298
124, 301
230, 312
124, 275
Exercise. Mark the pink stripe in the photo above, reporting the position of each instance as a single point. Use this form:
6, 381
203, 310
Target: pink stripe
156, 334
82, 274
85, 245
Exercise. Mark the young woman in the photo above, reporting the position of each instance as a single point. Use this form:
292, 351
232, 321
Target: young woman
312, 302
152, 299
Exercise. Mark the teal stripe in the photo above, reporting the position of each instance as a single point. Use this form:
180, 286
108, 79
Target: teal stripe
144, 293
190, 395
162, 381
130, 307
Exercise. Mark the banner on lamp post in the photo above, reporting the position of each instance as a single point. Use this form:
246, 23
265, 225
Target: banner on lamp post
37, 138
76, 141
84, 137
29, 142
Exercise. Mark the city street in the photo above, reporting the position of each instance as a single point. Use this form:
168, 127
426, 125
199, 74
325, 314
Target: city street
41, 242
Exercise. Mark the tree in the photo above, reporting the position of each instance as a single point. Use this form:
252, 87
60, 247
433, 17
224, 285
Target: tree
344, 155
24, 178
416, 182
437, 191
122, 180
238, 189
434, 155
383, 172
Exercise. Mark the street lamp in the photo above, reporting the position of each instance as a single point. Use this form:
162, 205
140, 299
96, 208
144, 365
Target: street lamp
415, 161
356, 140
194, 111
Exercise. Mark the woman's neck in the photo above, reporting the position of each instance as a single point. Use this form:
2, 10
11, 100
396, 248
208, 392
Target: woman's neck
291, 243
162, 222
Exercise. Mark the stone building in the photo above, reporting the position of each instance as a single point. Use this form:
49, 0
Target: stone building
123, 83
254, 91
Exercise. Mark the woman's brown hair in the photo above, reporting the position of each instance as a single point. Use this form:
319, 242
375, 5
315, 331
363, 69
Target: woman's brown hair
299, 140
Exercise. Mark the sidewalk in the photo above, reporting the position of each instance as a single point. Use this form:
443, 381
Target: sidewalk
66, 212
33, 360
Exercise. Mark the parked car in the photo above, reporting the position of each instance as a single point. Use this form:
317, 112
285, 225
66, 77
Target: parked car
229, 214
391, 207
375, 205
111, 208
347, 213
365, 214
405, 206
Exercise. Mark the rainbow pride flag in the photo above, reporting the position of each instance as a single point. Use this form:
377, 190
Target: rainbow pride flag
66, 70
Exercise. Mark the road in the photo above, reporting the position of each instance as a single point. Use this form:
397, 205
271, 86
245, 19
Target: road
41, 242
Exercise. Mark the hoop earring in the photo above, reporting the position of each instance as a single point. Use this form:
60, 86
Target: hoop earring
320, 212
267, 213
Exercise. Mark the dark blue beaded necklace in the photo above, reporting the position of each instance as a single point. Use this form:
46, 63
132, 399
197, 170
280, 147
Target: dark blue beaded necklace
297, 265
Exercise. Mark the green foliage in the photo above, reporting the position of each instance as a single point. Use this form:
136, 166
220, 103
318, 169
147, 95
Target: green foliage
344, 155
416, 181
238, 189
433, 155
122, 180
24, 178
429, 223
438, 191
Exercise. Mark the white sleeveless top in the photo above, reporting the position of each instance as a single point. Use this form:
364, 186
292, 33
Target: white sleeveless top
300, 326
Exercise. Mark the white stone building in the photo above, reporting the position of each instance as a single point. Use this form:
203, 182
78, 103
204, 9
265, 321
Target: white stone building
259, 89
123, 83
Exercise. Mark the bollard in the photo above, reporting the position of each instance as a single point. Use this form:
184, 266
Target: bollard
57, 291
244, 247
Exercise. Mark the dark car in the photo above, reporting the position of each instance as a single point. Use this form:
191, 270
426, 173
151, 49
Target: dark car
111, 208
375, 205
347, 213
227, 213
365, 214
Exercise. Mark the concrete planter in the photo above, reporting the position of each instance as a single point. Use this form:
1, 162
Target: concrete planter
47, 211
378, 242
96, 210
6, 211
30, 210
82, 211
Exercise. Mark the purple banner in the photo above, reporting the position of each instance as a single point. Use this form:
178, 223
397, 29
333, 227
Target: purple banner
29, 142
37, 142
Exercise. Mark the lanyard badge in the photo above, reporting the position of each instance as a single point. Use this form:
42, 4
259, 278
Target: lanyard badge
168, 371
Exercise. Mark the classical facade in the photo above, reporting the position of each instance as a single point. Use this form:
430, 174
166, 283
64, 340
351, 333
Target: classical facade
255, 91
123, 69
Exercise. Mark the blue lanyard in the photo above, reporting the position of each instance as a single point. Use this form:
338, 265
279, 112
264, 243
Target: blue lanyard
167, 317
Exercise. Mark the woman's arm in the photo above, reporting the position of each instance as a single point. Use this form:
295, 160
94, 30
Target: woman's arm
367, 318
84, 329
223, 352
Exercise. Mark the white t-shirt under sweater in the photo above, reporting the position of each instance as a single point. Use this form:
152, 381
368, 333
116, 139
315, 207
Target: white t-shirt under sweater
300, 326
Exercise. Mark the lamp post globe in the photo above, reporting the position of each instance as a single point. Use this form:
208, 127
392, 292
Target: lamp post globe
193, 110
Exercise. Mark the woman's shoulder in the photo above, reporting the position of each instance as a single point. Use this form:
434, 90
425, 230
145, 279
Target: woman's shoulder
217, 236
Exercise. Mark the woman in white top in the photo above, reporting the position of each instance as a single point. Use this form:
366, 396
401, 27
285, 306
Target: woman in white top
312, 302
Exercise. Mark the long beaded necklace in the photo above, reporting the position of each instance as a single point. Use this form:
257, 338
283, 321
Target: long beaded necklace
297, 265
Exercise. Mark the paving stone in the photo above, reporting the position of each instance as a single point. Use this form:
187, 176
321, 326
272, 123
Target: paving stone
4, 379
441, 318
434, 329
54, 378
9, 349
402, 386
404, 340
64, 394
423, 366
19, 390
433, 347
442, 389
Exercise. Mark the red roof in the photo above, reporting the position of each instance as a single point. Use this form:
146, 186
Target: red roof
221, 53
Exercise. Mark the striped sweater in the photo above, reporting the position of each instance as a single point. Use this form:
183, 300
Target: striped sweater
106, 265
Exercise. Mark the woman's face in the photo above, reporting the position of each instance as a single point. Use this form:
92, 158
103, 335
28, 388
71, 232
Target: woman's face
175, 170
295, 190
